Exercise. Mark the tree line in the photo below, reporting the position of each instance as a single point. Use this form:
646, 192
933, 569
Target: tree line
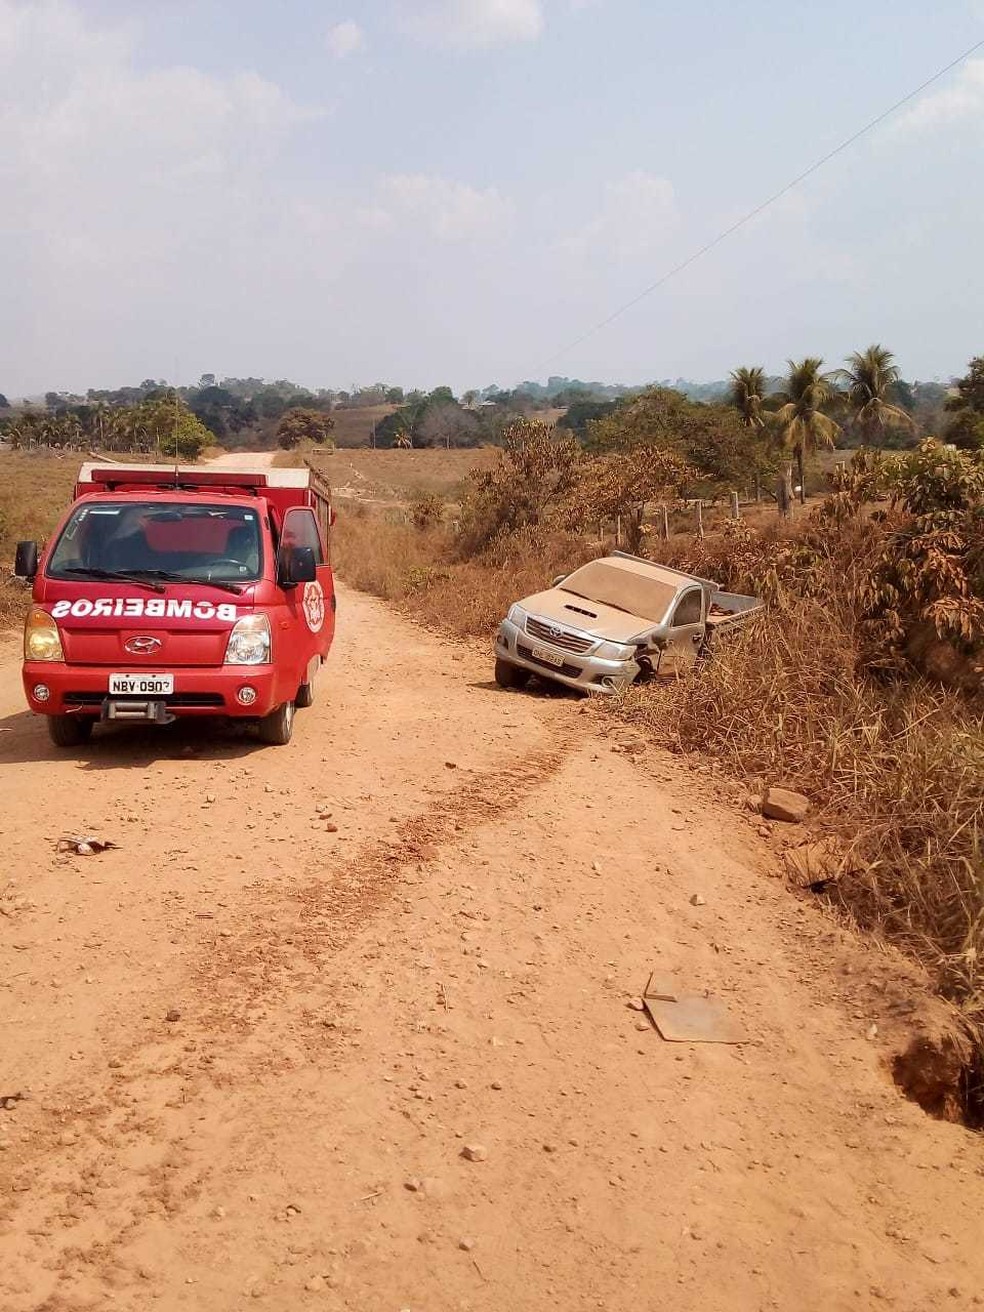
790, 416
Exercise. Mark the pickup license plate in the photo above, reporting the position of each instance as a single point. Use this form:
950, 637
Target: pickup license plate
141, 685
551, 657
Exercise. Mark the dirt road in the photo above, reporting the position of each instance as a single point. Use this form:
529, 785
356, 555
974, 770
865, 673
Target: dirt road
243, 460
443, 963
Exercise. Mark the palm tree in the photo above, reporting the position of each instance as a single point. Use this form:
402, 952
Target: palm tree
870, 376
801, 420
747, 393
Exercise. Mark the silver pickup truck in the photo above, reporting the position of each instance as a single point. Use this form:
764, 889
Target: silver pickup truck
612, 621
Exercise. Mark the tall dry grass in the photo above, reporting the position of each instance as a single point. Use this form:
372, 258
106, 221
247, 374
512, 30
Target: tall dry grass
416, 568
35, 489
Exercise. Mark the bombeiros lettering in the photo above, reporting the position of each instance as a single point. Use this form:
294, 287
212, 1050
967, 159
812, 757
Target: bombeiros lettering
155, 608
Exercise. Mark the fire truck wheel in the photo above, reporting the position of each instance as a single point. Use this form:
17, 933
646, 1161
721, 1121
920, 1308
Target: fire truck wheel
69, 730
508, 675
305, 696
277, 727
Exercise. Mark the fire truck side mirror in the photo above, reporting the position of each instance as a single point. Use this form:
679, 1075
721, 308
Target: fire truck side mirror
26, 560
297, 565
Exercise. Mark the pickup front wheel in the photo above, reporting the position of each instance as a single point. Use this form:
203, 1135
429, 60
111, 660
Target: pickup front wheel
508, 675
69, 730
277, 727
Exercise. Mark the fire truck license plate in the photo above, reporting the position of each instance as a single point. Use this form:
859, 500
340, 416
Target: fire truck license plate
141, 685
551, 657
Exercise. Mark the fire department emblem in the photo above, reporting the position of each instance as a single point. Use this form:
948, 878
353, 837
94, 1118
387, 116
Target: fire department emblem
314, 606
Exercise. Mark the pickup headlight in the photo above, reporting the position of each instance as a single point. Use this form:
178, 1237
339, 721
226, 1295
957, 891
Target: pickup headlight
516, 616
42, 641
615, 651
249, 642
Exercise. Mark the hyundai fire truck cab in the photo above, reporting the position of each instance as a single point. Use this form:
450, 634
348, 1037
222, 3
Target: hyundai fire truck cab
170, 592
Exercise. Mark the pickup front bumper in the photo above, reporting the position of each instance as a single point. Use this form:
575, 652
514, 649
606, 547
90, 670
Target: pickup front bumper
84, 690
585, 672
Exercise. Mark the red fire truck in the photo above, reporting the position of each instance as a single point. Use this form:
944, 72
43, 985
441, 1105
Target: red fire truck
168, 592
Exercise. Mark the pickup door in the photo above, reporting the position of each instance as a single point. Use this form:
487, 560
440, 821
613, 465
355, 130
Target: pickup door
686, 634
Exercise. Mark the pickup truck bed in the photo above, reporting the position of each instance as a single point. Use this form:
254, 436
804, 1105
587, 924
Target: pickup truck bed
729, 610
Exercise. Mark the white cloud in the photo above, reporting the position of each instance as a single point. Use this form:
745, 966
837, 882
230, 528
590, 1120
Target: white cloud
450, 211
345, 38
638, 213
127, 192
960, 101
473, 24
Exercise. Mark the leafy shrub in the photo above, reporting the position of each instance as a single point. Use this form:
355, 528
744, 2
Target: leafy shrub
533, 478
427, 510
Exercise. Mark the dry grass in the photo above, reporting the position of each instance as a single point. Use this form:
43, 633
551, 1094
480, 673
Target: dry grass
396, 476
382, 553
35, 488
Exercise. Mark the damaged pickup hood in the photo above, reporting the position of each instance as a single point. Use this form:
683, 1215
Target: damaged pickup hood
573, 612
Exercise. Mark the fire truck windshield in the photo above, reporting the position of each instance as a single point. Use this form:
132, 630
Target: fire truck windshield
178, 540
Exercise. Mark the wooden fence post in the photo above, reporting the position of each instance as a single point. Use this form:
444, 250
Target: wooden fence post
784, 494
700, 518
735, 512
664, 523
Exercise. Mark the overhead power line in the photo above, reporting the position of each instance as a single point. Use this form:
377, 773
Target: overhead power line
759, 209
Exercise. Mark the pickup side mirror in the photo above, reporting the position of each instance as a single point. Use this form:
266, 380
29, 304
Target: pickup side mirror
297, 565
26, 560
558, 580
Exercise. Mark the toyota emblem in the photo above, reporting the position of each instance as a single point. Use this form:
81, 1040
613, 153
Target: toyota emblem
555, 631
143, 645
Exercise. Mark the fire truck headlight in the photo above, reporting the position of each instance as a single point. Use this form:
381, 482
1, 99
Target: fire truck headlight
41, 638
249, 642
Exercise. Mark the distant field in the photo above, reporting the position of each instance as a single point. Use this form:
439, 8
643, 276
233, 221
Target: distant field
396, 476
354, 427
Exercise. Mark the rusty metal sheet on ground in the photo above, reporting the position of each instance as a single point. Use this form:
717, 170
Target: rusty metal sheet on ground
688, 1017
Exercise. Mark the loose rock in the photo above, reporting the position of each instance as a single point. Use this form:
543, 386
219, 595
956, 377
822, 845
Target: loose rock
474, 1152
784, 804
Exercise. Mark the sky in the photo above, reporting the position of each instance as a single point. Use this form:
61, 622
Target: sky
430, 192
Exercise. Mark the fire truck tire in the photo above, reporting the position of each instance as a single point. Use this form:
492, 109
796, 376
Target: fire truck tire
277, 727
69, 730
508, 675
305, 696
